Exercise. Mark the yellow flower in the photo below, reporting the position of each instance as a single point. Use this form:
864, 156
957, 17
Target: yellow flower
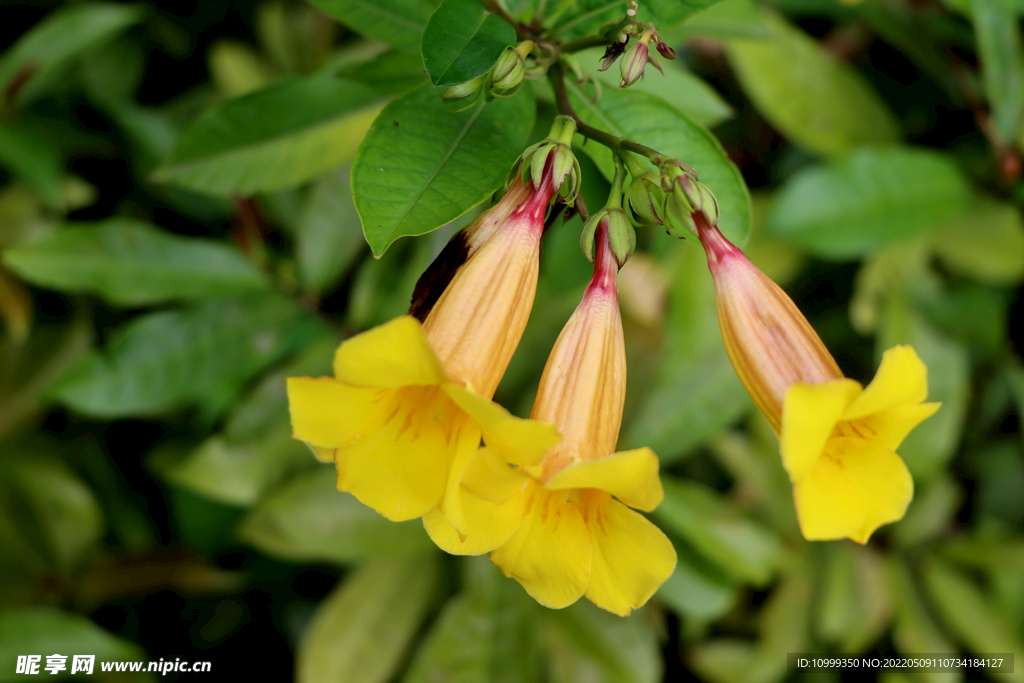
578, 535
837, 439
404, 414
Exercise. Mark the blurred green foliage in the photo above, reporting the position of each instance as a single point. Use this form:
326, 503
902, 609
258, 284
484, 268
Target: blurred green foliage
178, 235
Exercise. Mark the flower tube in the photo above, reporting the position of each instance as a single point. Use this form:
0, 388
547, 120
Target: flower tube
578, 535
837, 438
404, 414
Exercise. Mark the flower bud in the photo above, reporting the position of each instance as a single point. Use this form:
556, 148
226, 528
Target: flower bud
558, 147
633, 64
508, 72
464, 95
685, 196
621, 235
665, 51
646, 197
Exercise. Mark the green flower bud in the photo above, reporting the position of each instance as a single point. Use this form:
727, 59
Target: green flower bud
509, 70
557, 147
646, 197
464, 95
633, 63
621, 235
685, 196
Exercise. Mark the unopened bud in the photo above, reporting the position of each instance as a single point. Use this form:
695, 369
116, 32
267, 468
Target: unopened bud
508, 72
665, 51
464, 95
558, 148
646, 197
684, 197
621, 235
633, 64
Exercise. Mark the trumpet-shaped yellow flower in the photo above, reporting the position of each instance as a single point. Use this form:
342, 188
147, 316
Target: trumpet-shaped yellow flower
837, 439
578, 535
404, 415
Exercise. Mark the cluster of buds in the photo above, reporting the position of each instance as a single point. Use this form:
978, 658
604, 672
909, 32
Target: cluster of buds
503, 80
556, 148
685, 197
635, 57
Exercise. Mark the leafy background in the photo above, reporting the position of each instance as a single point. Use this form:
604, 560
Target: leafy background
179, 235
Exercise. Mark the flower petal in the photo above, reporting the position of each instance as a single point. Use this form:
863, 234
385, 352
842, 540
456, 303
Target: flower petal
902, 379
394, 354
809, 414
488, 524
828, 505
632, 557
463, 445
883, 478
630, 476
521, 442
890, 427
550, 552
399, 470
491, 478
328, 413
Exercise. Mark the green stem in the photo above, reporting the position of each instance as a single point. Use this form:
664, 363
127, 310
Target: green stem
494, 7
557, 77
615, 194
587, 42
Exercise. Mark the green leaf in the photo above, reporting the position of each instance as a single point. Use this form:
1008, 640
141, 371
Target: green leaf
398, 23
914, 628
997, 33
131, 263
588, 15
55, 508
854, 606
985, 244
238, 474
695, 594
716, 529
29, 67
361, 630
866, 200
968, 614
933, 443
655, 123
391, 73
328, 238
677, 86
35, 159
486, 634
623, 650
815, 100
462, 41
45, 631
309, 520
272, 139
203, 355
422, 166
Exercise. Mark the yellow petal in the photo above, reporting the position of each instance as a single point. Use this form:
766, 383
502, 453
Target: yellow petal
809, 414
521, 442
491, 478
902, 379
890, 427
399, 470
487, 526
394, 354
828, 505
463, 444
883, 478
632, 557
322, 454
328, 413
630, 476
550, 552
858, 486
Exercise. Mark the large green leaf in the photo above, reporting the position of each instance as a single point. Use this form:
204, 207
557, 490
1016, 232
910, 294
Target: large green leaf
677, 86
986, 244
486, 634
865, 200
45, 631
587, 638
396, 22
272, 139
653, 122
28, 67
462, 41
309, 520
814, 99
997, 32
716, 529
203, 355
327, 235
421, 166
34, 158
361, 630
131, 263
